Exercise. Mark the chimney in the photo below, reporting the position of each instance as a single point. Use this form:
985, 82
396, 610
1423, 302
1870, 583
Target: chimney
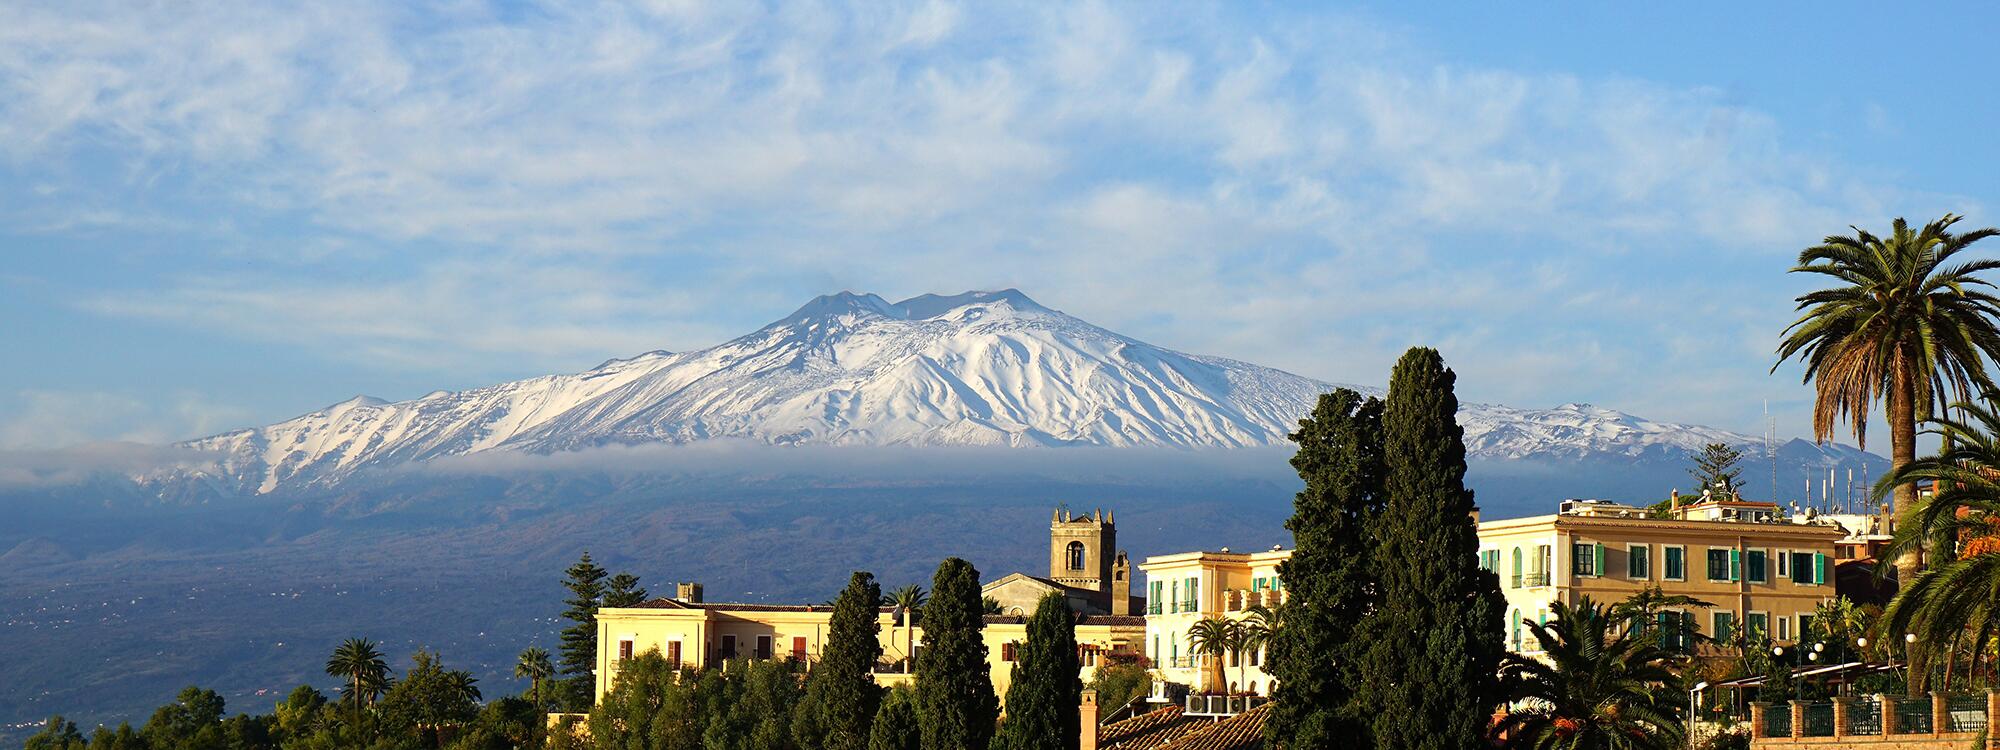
687, 593
1086, 714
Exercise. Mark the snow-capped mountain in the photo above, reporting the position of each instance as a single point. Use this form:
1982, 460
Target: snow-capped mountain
980, 368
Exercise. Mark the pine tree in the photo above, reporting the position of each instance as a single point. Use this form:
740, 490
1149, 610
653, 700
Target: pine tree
841, 690
623, 590
1043, 699
955, 701
1715, 468
1435, 640
1315, 655
896, 723
579, 640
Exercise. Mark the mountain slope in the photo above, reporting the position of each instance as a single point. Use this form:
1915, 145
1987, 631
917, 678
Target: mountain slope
980, 368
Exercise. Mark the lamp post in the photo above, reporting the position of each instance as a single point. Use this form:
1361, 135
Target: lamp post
1698, 687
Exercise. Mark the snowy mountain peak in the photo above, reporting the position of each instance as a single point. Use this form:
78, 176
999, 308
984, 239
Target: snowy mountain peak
977, 368
841, 305
928, 306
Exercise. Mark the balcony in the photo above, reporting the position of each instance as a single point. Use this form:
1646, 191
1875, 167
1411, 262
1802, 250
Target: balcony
1238, 600
1535, 580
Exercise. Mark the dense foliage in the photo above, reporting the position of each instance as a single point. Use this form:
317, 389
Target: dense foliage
1044, 694
841, 694
1314, 658
1950, 606
955, 701
896, 726
1118, 680
1435, 640
1597, 686
747, 704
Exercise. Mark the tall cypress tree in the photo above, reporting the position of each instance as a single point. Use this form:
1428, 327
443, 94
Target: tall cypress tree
841, 690
896, 724
585, 581
1315, 655
1435, 640
1043, 699
955, 699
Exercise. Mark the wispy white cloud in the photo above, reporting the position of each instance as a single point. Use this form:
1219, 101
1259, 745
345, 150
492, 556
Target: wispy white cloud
555, 181
43, 419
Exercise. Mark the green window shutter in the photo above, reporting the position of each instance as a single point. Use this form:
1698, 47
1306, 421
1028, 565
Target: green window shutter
1599, 551
1819, 568
1735, 565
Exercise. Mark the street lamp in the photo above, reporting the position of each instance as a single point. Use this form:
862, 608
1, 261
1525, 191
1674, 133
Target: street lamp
1698, 687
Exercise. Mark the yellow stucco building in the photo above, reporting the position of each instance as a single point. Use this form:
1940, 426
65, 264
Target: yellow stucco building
1184, 588
1760, 566
1085, 566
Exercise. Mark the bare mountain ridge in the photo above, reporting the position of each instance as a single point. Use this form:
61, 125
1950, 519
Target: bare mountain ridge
980, 368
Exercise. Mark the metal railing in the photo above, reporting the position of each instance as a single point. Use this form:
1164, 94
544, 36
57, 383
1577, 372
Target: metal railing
1778, 721
1913, 716
1819, 719
1967, 713
1532, 580
1864, 717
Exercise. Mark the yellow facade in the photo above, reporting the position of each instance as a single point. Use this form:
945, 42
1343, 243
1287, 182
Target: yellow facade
1758, 567
1184, 588
1771, 570
700, 635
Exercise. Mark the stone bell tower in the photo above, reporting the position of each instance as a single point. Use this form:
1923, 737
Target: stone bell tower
1082, 550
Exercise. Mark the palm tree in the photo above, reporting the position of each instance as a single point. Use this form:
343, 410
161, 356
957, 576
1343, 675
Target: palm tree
1597, 688
1906, 325
1212, 637
1640, 610
361, 663
1260, 628
534, 664
907, 600
1959, 527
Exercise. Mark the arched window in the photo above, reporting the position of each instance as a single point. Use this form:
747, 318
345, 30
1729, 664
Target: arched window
1517, 569
1516, 616
1075, 555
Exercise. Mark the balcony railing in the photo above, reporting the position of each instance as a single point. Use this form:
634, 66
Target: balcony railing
1533, 580
1238, 600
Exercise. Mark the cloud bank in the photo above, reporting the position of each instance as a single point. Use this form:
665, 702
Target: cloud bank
538, 185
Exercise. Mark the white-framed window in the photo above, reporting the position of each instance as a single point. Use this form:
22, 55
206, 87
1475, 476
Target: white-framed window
1784, 623
1587, 559
1673, 563
1784, 563
1638, 562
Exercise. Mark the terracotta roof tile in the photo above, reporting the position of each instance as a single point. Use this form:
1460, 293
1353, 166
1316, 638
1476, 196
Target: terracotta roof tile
1146, 731
1244, 731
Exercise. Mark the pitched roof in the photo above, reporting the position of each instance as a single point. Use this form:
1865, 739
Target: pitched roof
1148, 730
1244, 731
1171, 729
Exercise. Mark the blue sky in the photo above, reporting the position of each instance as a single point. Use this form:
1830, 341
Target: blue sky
220, 216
